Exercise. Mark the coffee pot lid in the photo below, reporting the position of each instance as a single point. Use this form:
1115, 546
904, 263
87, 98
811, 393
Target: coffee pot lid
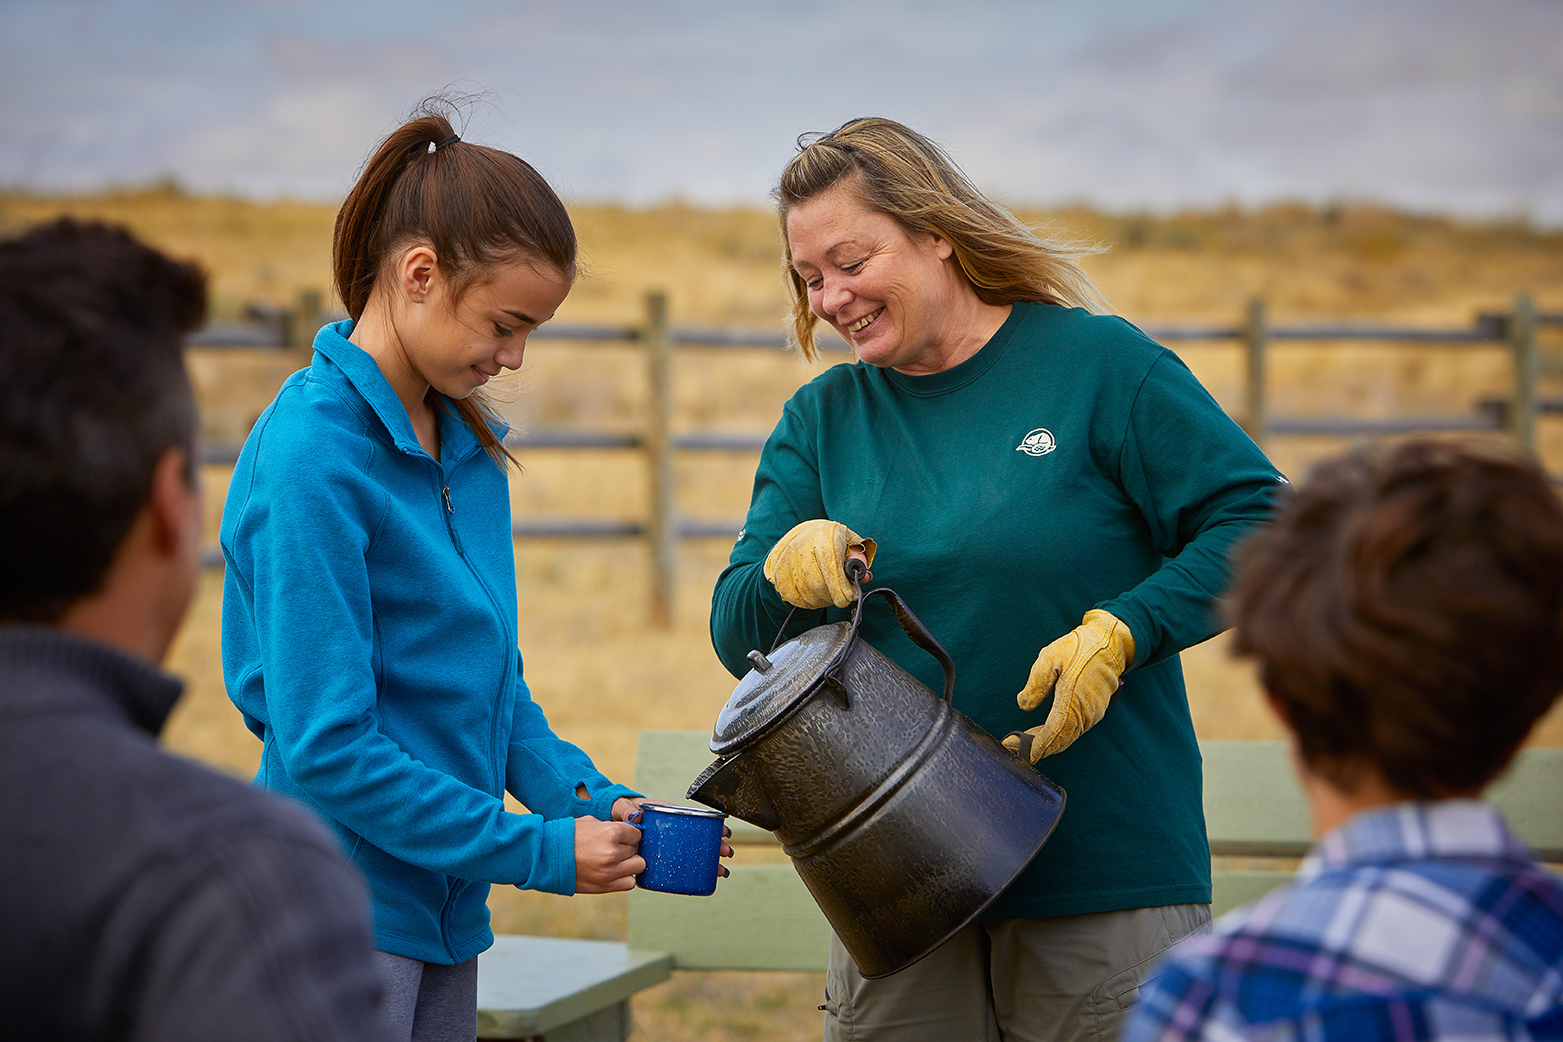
780, 680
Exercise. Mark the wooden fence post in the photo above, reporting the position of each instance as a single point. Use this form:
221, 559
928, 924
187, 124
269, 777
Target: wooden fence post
1522, 340
661, 528
303, 322
1255, 334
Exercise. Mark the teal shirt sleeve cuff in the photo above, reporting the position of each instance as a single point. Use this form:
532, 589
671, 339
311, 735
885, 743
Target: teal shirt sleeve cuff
1139, 624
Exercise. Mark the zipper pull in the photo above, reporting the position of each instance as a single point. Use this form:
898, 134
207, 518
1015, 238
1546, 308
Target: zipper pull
450, 526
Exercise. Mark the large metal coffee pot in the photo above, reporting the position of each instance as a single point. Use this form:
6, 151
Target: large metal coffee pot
904, 818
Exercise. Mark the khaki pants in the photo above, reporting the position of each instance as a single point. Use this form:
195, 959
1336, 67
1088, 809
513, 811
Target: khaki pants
1069, 977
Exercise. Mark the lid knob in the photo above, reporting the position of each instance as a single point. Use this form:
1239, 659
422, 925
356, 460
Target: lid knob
761, 663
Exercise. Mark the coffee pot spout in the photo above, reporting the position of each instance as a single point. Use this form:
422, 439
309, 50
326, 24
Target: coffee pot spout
732, 786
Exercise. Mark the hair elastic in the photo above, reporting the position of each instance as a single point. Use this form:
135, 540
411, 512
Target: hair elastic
448, 141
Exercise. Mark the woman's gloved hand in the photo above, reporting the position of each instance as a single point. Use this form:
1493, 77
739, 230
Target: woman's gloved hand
807, 564
1081, 669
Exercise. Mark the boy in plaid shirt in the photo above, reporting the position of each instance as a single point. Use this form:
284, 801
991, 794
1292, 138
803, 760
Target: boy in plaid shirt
1406, 613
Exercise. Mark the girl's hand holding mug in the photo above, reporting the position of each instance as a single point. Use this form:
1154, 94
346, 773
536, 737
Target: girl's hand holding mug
606, 857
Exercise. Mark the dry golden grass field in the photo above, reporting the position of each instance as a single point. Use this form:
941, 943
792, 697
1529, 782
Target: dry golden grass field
595, 664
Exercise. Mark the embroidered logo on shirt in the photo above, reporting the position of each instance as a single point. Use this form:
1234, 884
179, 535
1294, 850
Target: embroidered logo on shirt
1038, 443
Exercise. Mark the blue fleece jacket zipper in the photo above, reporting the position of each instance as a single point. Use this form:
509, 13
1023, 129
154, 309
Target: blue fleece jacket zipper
450, 524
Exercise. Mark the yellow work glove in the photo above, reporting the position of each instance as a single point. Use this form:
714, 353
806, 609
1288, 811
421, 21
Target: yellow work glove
807, 564
1081, 669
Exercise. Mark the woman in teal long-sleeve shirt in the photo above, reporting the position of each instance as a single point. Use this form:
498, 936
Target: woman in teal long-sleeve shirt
1055, 495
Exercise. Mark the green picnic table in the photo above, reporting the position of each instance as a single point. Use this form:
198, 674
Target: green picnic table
562, 990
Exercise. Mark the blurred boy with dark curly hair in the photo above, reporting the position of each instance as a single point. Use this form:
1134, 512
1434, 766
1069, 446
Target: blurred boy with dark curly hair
1406, 613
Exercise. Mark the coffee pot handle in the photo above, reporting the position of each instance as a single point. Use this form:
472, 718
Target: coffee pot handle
911, 625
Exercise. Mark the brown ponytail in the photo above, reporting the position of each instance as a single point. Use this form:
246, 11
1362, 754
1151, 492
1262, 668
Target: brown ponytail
477, 207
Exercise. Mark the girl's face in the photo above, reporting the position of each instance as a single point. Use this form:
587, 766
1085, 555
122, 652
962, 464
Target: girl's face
887, 293
457, 346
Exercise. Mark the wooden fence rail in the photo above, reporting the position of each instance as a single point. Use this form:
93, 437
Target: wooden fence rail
1515, 331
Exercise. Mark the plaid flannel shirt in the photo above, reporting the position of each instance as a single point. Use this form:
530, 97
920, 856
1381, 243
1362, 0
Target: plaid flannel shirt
1416, 921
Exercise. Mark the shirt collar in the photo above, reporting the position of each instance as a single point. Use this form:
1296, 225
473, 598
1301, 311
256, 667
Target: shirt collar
1415, 831
43, 668
358, 367
931, 385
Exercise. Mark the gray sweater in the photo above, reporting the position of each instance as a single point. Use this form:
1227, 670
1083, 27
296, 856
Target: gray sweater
145, 897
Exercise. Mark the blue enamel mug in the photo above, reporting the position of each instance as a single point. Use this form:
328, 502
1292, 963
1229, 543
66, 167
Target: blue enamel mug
682, 847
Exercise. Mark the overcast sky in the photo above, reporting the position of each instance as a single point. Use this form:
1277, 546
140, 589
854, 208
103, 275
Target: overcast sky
1427, 104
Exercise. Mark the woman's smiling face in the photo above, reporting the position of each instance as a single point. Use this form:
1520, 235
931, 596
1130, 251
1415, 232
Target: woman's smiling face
886, 292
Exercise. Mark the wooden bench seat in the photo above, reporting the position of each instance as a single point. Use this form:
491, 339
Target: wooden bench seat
763, 918
562, 990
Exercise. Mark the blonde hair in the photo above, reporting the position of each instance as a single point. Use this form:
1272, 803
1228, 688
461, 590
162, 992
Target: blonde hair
900, 173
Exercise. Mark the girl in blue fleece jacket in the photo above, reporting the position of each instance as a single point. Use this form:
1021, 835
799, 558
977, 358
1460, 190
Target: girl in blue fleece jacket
369, 608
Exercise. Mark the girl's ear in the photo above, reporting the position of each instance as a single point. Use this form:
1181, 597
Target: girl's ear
417, 272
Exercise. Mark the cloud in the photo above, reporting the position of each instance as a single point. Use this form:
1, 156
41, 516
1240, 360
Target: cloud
1127, 103
298, 137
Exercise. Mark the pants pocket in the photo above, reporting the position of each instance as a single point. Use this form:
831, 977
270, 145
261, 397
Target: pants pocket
830, 1006
1120, 991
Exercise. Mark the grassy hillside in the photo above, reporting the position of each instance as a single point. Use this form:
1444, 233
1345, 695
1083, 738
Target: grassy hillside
719, 266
